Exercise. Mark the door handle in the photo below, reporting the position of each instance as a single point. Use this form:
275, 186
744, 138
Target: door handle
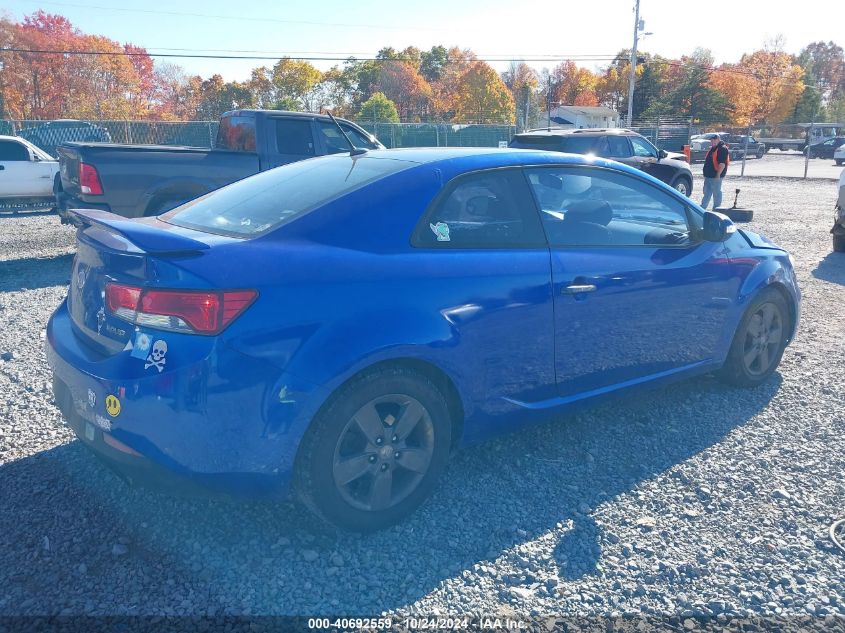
576, 289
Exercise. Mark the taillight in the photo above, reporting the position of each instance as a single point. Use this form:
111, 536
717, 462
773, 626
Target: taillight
193, 311
89, 180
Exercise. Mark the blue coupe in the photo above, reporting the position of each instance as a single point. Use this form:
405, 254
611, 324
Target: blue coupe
336, 327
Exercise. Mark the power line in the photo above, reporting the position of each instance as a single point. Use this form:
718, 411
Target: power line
503, 58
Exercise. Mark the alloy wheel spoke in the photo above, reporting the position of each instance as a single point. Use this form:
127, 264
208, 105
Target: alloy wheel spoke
410, 416
369, 421
768, 315
755, 324
415, 459
351, 469
764, 358
381, 491
750, 356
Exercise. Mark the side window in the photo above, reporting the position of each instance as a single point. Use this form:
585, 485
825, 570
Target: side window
236, 133
489, 209
643, 148
619, 147
599, 207
359, 139
13, 151
294, 137
602, 147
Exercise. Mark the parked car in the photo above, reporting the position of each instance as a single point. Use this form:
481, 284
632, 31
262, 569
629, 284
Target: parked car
621, 145
700, 145
826, 149
839, 154
27, 175
49, 135
337, 326
144, 180
754, 148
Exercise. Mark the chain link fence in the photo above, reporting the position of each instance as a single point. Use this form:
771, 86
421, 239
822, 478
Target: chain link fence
50, 134
786, 159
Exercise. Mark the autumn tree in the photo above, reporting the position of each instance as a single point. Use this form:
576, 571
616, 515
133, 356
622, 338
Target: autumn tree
294, 82
482, 97
825, 62
378, 109
522, 81
445, 89
689, 91
763, 87
403, 85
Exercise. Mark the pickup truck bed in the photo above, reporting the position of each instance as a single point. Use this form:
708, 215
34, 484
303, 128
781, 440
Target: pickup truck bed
143, 180
149, 179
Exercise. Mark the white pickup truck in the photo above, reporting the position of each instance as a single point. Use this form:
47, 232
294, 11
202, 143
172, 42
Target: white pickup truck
27, 176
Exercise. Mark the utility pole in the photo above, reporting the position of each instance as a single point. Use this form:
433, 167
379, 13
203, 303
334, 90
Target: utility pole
633, 78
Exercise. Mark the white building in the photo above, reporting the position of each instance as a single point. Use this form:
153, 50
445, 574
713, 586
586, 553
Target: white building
580, 117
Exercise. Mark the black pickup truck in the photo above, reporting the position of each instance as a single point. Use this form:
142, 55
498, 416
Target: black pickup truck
143, 180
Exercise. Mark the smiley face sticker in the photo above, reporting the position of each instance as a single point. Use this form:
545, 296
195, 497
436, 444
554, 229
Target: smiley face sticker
112, 406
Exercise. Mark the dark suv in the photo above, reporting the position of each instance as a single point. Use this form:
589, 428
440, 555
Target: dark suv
617, 144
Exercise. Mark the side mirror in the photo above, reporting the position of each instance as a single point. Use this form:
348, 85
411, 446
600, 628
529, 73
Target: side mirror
717, 227
662, 154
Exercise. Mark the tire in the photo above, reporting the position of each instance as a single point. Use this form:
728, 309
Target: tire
770, 311
683, 184
839, 162
760, 152
739, 215
839, 243
337, 447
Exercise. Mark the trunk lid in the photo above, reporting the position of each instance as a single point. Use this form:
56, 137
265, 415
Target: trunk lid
136, 252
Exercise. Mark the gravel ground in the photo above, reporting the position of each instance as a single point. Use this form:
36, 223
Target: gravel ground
688, 501
777, 164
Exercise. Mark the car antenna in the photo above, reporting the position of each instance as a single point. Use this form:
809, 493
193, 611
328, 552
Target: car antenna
355, 151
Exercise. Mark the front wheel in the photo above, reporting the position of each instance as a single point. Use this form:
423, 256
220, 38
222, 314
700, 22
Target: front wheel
839, 243
839, 161
760, 152
683, 185
759, 341
375, 452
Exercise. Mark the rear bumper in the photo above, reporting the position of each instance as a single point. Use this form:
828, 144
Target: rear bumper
65, 202
194, 427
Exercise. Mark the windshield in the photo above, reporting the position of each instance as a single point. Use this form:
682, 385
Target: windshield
264, 201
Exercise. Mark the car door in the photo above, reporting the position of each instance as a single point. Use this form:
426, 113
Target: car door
647, 158
335, 143
294, 140
488, 264
20, 174
637, 294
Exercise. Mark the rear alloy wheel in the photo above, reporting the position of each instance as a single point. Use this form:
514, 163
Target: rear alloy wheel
759, 341
374, 454
683, 185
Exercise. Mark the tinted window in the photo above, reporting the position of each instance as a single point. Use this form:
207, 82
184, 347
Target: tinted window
596, 207
578, 144
335, 142
548, 143
12, 151
643, 147
264, 201
236, 133
491, 209
294, 137
619, 147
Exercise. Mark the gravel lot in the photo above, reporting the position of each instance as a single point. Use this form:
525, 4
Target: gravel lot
694, 500
777, 164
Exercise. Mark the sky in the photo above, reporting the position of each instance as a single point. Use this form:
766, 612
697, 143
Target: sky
541, 32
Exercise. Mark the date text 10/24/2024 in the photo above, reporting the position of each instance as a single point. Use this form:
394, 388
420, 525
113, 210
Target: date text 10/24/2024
419, 623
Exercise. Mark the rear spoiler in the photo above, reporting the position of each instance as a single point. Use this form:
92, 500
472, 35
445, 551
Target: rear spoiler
149, 239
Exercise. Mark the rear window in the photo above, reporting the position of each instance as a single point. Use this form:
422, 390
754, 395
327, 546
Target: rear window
236, 133
262, 202
570, 144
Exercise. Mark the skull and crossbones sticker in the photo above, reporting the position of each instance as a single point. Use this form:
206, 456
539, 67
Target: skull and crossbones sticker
157, 357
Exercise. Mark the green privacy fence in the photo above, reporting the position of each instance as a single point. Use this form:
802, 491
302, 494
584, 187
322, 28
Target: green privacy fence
50, 134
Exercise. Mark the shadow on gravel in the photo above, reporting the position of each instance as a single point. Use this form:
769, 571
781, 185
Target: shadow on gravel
75, 539
35, 272
831, 268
